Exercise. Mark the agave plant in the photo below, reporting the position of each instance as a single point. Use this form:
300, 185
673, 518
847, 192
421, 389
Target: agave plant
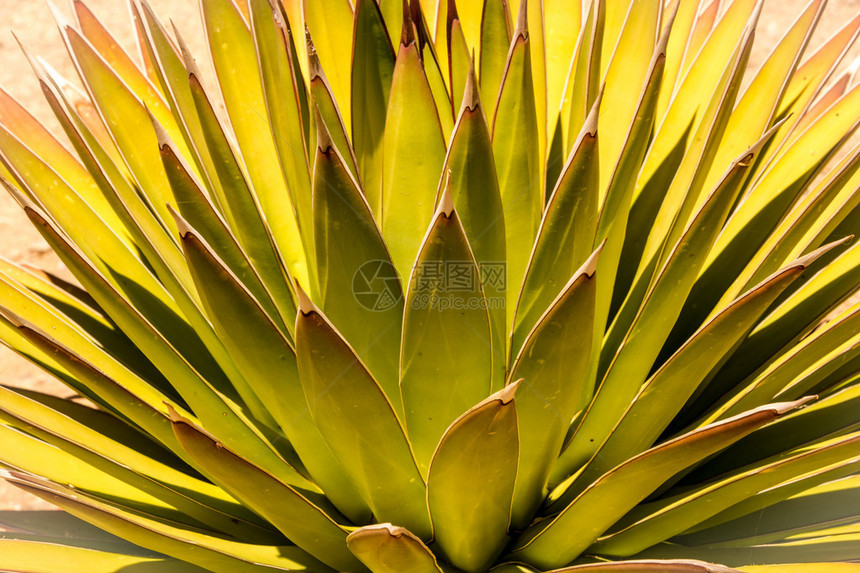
443, 286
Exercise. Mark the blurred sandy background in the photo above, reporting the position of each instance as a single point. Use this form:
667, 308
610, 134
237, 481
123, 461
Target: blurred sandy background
33, 24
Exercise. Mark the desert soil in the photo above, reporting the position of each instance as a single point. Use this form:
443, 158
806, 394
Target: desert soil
32, 23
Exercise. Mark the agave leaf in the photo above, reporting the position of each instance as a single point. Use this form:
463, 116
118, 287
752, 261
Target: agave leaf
385, 548
372, 71
811, 220
686, 192
329, 112
559, 540
134, 398
554, 364
359, 422
194, 546
55, 556
331, 27
628, 68
165, 66
458, 59
585, 63
201, 214
39, 141
471, 482
137, 219
681, 45
675, 514
611, 224
793, 318
495, 39
303, 520
414, 147
813, 74
358, 287
650, 566
217, 412
267, 359
26, 295
128, 120
158, 486
23, 451
698, 86
785, 374
809, 511
113, 53
234, 56
470, 172
562, 28
665, 392
566, 234
518, 161
237, 201
800, 568
772, 195
446, 361
655, 318
118, 266
613, 212
758, 105
280, 91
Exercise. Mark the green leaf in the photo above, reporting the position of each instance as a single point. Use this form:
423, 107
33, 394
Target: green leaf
358, 287
199, 547
372, 72
331, 27
668, 389
651, 523
518, 161
217, 412
655, 318
238, 203
414, 152
566, 234
281, 85
495, 39
459, 59
328, 109
561, 539
385, 548
267, 360
650, 566
201, 214
470, 172
234, 56
553, 364
304, 521
359, 422
471, 482
54, 556
447, 357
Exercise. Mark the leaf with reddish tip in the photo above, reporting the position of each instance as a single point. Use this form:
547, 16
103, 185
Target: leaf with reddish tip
471, 482
386, 548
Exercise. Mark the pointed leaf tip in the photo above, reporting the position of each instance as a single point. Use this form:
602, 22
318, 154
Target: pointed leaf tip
521, 30
472, 95
407, 34
305, 305
446, 201
324, 139
506, 395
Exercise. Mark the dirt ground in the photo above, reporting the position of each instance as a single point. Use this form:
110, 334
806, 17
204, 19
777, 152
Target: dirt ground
33, 24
